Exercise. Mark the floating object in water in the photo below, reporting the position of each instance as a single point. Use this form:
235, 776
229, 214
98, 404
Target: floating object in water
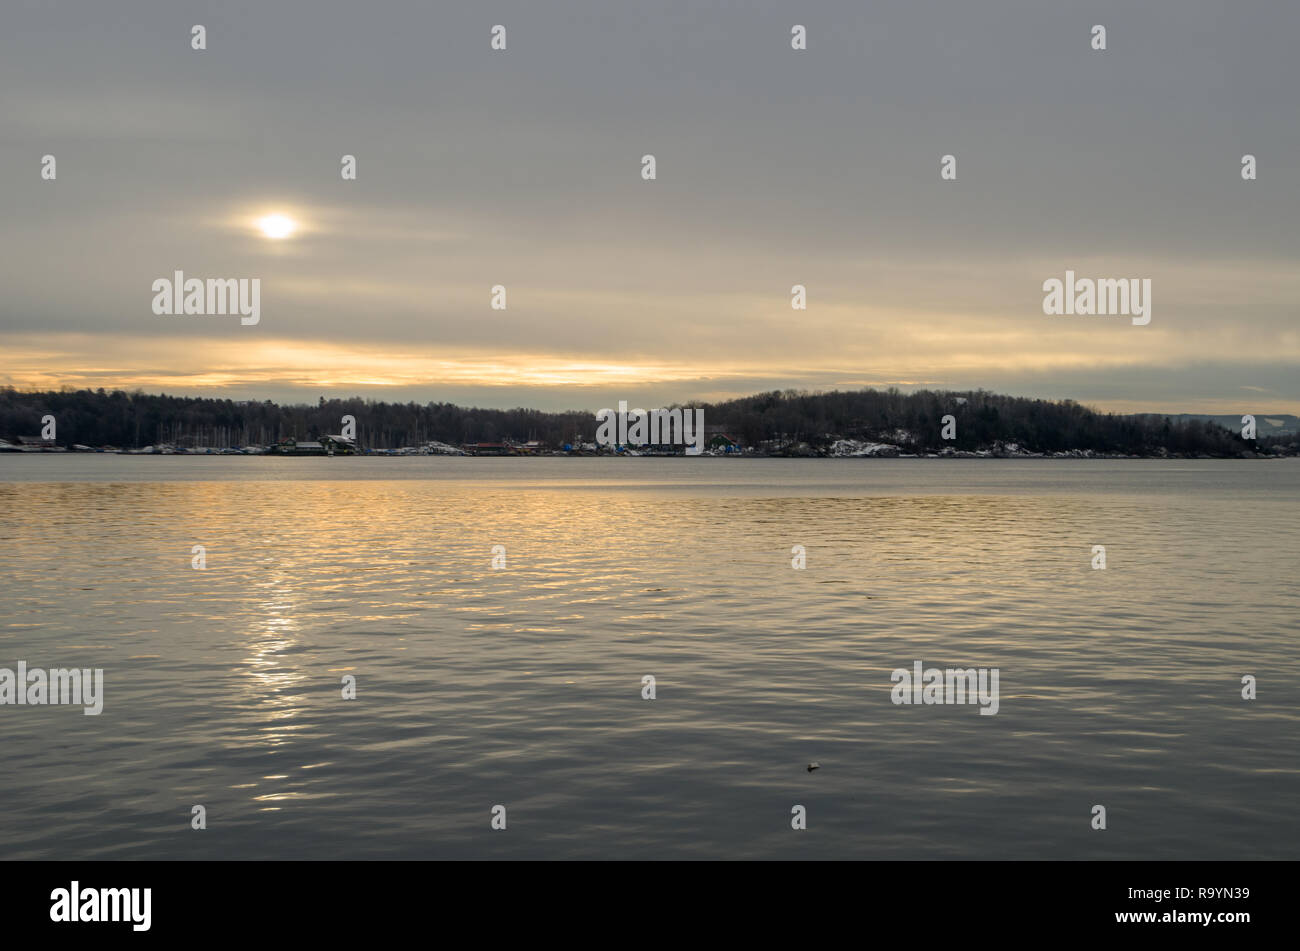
812, 766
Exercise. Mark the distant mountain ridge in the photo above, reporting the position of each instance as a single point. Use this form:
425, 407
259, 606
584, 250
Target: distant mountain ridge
1266, 424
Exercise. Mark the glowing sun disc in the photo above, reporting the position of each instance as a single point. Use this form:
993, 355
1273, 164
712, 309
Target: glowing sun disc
276, 226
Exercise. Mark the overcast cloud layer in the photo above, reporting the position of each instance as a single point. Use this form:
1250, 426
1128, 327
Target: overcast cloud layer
775, 168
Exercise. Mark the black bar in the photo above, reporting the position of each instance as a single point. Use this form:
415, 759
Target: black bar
581, 902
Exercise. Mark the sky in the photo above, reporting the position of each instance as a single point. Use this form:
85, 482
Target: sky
774, 167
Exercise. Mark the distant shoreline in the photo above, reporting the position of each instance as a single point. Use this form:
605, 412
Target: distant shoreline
836, 424
396, 454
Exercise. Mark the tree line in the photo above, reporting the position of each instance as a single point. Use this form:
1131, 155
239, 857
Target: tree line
773, 420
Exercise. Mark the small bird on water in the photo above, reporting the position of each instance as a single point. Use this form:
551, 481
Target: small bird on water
812, 766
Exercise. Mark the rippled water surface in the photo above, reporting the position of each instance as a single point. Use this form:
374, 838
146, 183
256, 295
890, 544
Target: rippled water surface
523, 686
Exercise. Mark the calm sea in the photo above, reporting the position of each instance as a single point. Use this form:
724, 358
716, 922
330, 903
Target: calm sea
522, 686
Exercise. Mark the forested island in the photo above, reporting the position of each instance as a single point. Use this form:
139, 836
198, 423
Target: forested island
780, 423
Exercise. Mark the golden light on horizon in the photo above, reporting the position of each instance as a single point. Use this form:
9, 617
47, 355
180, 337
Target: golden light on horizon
257, 366
277, 227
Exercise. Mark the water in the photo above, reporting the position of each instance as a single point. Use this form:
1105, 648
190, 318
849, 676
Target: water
522, 687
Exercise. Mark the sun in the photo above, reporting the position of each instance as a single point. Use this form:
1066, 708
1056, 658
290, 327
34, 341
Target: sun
277, 226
